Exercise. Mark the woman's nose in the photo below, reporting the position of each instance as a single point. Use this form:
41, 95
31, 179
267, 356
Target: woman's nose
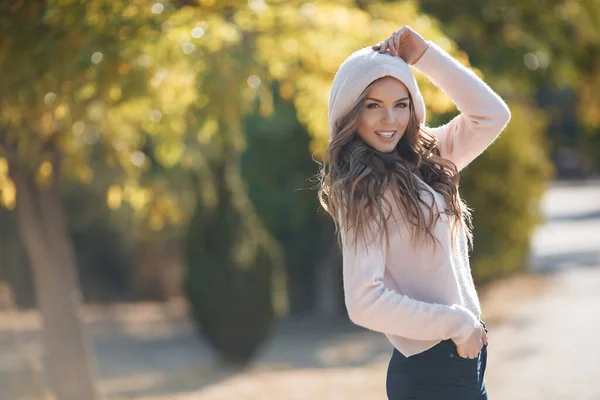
388, 116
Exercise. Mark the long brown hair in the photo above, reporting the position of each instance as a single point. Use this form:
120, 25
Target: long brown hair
356, 181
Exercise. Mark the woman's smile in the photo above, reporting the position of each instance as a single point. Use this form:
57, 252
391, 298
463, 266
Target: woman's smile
386, 136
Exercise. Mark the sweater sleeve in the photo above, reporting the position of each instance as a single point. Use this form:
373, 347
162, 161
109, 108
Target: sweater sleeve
372, 305
483, 114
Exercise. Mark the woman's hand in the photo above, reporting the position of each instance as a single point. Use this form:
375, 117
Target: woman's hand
406, 43
473, 345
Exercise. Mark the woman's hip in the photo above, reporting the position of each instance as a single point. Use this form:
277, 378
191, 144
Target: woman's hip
437, 373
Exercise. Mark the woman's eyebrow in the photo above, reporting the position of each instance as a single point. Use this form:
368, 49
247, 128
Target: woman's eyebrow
379, 101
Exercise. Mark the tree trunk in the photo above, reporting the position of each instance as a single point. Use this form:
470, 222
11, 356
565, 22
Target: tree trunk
43, 232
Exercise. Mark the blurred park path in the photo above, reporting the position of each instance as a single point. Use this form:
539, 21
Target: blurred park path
549, 348
542, 337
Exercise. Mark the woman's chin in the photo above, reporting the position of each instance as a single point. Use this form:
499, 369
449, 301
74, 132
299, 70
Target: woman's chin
385, 144
385, 147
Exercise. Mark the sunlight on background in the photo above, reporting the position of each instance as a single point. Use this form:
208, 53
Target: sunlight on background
157, 165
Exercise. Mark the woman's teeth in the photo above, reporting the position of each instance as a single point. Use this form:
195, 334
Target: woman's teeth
385, 134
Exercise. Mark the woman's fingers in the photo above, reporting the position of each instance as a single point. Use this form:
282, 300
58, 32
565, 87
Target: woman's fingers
392, 44
465, 355
384, 46
398, 40
397, 37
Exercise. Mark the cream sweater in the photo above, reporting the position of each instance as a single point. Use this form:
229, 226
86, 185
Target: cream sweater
417, 296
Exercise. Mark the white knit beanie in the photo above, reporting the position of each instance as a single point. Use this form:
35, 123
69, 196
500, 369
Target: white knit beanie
356, 73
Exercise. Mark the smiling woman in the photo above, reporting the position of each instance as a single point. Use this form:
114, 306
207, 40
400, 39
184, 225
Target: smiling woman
389, 182
384, 117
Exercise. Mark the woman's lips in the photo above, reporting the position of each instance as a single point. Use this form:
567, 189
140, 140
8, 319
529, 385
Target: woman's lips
383, 135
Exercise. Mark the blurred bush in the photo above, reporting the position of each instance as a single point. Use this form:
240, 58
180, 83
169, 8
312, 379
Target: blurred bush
278, 166
231, 271
504, 187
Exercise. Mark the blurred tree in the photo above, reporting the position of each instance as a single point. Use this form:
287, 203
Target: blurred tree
231, 262
277, 166
77, 81
234, 280
138, 85
31, 153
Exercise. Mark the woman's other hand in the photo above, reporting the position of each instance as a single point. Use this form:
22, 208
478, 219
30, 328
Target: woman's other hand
473, 345
406, 43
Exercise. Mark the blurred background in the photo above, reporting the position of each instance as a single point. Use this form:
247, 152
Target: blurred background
160, 236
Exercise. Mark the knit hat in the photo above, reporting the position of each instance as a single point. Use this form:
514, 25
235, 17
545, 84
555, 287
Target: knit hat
360, 69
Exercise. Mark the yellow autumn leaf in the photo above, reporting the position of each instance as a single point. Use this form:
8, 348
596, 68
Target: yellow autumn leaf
114, 197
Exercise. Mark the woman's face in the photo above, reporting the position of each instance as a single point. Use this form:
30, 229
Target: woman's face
385, 114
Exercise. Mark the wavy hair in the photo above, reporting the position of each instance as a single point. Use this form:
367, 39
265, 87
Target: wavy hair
356, 181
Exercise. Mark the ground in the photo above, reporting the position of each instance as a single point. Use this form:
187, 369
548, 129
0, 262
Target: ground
543, 332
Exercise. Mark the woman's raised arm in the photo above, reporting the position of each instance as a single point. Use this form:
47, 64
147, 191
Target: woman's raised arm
483, 114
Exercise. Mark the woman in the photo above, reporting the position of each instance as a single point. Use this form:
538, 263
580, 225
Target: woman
390, 184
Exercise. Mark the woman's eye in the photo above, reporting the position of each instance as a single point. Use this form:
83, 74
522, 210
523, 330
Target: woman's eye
402, 105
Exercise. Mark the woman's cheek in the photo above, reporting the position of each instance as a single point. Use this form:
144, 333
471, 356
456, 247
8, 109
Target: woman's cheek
372, 120
405, 118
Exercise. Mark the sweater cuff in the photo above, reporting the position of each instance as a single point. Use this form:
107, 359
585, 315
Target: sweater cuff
469, 323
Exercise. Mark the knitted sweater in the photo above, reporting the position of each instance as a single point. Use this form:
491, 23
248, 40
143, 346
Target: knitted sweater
420, 296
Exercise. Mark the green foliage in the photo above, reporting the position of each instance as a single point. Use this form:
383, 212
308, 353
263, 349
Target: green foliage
504, 186
277, 166
230, 277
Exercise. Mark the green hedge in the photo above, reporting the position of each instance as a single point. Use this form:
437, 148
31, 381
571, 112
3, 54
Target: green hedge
504, 186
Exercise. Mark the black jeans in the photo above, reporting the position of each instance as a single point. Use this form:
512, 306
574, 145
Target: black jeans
437, 374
